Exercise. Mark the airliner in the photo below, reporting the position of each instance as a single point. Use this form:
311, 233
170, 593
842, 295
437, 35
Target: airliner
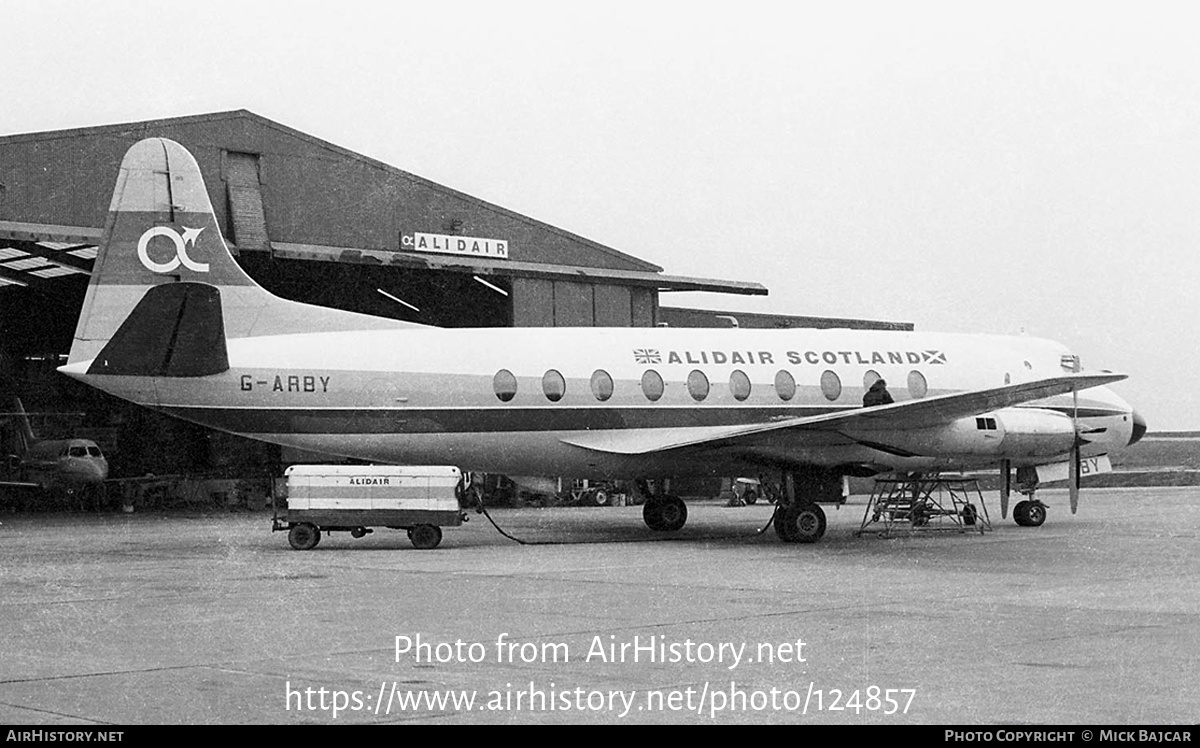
171, 322
57, 466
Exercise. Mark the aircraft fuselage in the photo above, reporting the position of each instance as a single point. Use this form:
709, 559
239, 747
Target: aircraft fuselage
511, 400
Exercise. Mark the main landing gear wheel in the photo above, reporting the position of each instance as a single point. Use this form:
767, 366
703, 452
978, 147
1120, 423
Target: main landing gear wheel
425, 537
304, 537
665, 513
1029, 513
800, 523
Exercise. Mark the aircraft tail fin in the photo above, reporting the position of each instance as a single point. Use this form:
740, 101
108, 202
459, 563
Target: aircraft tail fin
25, 437
162, 231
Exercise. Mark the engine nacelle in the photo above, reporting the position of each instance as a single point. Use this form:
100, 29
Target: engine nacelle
1009, 433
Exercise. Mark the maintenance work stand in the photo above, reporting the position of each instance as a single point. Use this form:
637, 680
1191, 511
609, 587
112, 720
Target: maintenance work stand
925, 502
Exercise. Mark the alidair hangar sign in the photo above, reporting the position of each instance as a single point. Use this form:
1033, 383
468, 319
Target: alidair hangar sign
449, 244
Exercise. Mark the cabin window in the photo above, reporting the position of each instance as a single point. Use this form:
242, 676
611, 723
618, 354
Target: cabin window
602, 385
917, 386
831, 385
870, 378
652, 385
553, 386
739, 385
505, 385
697, 385
985, 424
785, 385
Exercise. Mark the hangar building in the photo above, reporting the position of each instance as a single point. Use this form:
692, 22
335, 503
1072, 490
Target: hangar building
310, 221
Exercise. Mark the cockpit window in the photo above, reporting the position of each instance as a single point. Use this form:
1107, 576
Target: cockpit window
94, 452
78, 451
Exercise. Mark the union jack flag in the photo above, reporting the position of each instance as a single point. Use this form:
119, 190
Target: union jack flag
647, 356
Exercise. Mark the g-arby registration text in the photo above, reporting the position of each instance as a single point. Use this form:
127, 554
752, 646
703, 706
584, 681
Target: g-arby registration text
63, 736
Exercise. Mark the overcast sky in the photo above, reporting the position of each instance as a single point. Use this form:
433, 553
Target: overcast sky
968, 167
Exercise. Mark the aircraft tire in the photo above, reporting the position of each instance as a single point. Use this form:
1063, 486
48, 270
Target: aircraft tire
425, 537
1035, 514
800, 523
304, 537
1021, 513
665, 513
358, 532
652, 513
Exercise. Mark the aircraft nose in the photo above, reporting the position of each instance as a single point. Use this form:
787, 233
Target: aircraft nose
1139, 428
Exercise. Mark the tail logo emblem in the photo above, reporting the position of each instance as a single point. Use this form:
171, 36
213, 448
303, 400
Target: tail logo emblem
181, 243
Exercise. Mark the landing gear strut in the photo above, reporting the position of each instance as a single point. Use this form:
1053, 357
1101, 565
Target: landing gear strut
1030, 512
798, 517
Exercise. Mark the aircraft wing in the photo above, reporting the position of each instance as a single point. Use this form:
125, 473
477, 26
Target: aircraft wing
823, 429
18, 484
151, 478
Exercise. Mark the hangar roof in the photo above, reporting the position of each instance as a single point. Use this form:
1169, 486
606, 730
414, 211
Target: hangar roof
35, 246
44, 251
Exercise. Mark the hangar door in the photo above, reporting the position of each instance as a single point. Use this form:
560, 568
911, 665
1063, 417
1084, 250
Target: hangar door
539, 302
244, 191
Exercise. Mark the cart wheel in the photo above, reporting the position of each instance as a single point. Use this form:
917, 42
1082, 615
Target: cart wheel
358, 532
750, 496
304, 537
425, 537
969, 514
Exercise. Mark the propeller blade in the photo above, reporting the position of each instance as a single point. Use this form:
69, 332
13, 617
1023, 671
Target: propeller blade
1073, 479
1005, 487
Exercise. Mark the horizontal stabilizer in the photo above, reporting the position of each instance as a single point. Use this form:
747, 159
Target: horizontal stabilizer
176, 330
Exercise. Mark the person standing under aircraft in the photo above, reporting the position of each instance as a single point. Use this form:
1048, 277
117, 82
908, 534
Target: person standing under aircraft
877, 394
